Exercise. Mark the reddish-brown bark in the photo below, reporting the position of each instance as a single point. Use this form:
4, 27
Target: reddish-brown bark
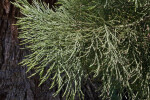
14, 84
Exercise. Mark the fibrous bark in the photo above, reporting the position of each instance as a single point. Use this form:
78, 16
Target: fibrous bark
14, 84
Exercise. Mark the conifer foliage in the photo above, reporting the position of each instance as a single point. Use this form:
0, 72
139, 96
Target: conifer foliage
108, 39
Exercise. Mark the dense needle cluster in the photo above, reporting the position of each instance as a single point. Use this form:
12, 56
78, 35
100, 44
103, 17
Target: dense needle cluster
107, 39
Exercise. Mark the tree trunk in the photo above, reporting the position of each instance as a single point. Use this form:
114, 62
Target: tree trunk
14, 84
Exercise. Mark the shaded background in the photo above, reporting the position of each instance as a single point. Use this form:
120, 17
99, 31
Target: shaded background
14, 84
